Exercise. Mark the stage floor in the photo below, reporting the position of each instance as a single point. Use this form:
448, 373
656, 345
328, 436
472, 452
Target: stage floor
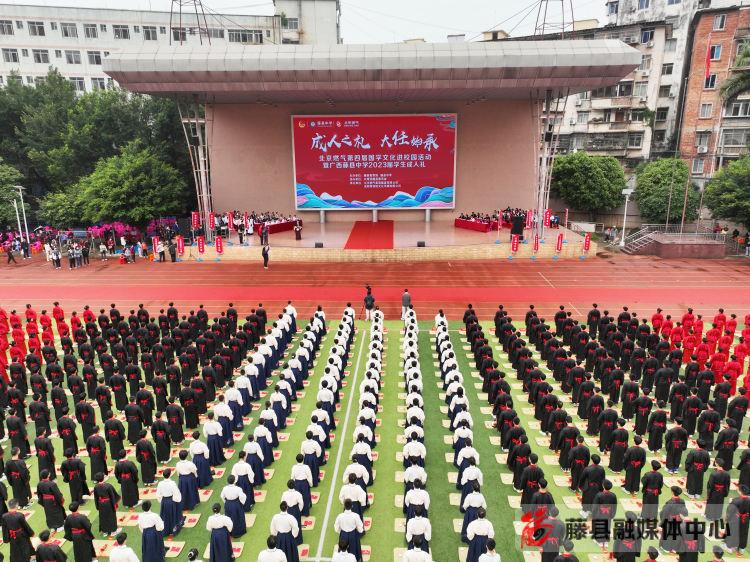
406, 234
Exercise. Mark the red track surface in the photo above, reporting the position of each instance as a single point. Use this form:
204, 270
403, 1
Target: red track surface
643, 283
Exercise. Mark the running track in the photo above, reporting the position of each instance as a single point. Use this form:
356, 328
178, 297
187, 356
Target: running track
641, 282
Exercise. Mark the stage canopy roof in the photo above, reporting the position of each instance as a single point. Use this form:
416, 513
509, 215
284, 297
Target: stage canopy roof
360, 73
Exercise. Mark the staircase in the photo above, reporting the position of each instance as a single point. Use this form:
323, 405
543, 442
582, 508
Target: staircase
636, 242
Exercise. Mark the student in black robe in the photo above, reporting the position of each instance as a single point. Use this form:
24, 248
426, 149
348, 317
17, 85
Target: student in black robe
3, 499
161, 393
634, 460
114, 434
671, 514
190, 406
146, 456
52, 501
103, 398
530, 478
17, 533
162, 439
47, 551
66, 429
105, 499
717, 489
727, 442
118, 384
518, 460
97, 449
590, 484
134, 418
696, 464
45, 453
127, 475
86, 416
676, 441
709, 424
618, 446
603, 512
738, 520
652, 482
145, 400
578, 458
656, 428
78, 530
74, 474
59, 400
628, 543
176, 419
18, 476
17, 433
39, 412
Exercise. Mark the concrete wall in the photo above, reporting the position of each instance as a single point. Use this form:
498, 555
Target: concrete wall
251, 155
318, 20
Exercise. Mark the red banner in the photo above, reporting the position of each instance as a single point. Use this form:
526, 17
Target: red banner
180, 245
559, 245
211, 221
587, 242
195, 219
514, 240
201, 244
529, 218
219, 245
547, 217
231, 221
154, 243
374, 161
536, 242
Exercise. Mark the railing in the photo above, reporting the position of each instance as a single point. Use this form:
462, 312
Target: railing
645, 235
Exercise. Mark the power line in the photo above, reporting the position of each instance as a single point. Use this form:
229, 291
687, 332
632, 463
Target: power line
531, 6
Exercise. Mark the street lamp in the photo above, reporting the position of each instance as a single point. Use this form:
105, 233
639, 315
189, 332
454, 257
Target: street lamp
23, 210
627, 193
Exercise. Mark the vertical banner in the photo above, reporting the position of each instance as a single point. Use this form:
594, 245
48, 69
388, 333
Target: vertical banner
246, 218
559, 245
536, 242
514, 243
231, 220
201, 244
529, 218
180, 245
154, 243
587, 242
211, 221
195, 219
219, 245
566, 218
547, 217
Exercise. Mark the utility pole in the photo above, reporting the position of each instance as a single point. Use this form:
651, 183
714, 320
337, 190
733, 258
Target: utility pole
23, 210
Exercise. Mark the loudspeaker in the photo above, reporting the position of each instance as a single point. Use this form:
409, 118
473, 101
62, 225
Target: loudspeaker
318, 244
420, 244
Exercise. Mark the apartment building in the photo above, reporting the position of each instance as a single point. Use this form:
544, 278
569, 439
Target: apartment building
75, 40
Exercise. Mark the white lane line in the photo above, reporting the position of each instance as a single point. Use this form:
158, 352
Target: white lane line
547, 280
337, 466
574, 307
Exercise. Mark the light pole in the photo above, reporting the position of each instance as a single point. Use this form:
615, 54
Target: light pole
627, 193
18, 218
23, 210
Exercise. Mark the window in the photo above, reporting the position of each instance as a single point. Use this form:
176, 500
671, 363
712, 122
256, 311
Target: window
73, 57
69, 30
644, 4
89, 31
10, 55
39, 80
640, 89
136, 29
1, 80
661, 113
715, 52
41, 56
6, 27
647, 34
673, 2
584, 95
162, 30
660, 135
291, 24
698, 166
53, 25
78, 84
670, 45
149, 33
612, 8
30, 80
582, 117
245, 36
702, 137
645, 62
19, 24
625, 89
36, 28
666, 69
709, 83
110, 83
637, 115
664, 91
103, 27
735, 137
635, 140
179, 34
706, 111
215, 33
24, 52
606, 115
720, 22
95, 57
58, 53
738, 109
98, 84
121, 31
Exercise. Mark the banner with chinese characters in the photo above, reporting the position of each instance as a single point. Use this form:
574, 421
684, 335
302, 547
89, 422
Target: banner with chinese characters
352, 162
180, 245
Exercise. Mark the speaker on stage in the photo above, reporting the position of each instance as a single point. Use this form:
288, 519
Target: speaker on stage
318, 244
420, 244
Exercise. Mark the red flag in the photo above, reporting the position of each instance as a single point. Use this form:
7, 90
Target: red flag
196, 219
180, 245
559, 242
529, 218
708, 57
201, 244
211, 221
231, 220
547, 217
536, 242
587, 242
246, 218
219, 245
514, 243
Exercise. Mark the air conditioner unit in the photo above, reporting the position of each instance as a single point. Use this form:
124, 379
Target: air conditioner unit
650, 44
572, 121
630, 40
642, 100
579, 102
645, 72
702, 149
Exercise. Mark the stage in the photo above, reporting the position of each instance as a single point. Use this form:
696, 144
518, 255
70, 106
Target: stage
442, 242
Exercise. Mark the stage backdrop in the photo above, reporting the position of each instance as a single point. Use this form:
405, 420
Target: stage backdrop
355, 162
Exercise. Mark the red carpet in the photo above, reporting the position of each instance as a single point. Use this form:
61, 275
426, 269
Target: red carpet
368, 235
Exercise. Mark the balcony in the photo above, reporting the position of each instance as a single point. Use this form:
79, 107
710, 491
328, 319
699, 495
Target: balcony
732, 151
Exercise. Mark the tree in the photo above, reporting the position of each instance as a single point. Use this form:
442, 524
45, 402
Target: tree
9, 177
739, 80
727, 194
134, 187
61, 209
655, 181
588, 183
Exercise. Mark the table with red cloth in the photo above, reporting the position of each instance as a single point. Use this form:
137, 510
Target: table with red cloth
275, 227
479, 226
